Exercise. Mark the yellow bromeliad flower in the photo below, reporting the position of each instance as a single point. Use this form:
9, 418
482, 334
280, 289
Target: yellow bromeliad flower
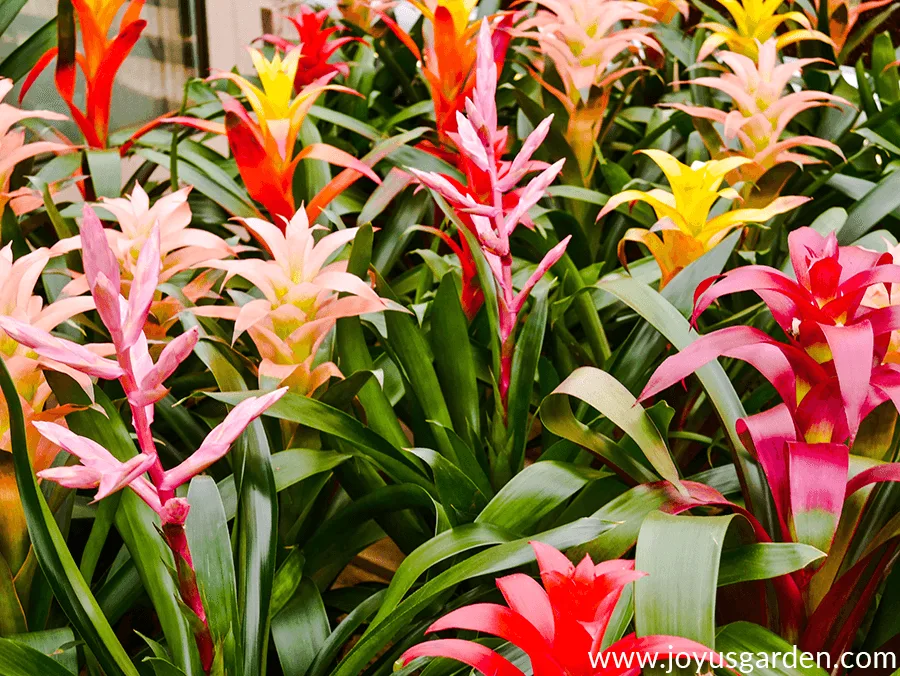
755, 21
685, 231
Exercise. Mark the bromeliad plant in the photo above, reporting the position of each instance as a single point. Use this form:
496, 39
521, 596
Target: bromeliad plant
142, 382
99, 61
761, 111
830, 374
490, 205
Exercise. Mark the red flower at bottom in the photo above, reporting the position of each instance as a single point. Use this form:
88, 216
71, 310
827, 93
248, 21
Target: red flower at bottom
559, 625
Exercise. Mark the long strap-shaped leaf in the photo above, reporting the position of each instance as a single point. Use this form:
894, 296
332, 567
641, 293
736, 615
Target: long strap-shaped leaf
668, 321
608, 396
60, 569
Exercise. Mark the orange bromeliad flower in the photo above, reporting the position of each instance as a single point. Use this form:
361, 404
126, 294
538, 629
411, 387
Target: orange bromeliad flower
448, 59
99, 60
842, 17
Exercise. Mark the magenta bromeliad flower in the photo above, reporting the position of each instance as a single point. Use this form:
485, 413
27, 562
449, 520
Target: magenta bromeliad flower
830, 375
143, 383
491, 202
560, 625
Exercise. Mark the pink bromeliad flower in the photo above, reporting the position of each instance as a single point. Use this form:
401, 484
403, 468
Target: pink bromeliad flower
301, 291
143, 383
761, 110
14, 149
559, 625
830, 374
181, 248
491, 205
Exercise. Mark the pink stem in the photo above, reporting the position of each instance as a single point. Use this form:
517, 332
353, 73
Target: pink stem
190, 593
173, 521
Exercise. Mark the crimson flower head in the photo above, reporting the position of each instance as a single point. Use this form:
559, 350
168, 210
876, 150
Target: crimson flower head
559, 625
830, 374
317, 44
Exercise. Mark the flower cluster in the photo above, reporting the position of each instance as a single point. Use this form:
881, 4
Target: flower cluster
142, 381
591, 51
99, 61
560, 625
301, 300
316, 44
181, 248
761, 110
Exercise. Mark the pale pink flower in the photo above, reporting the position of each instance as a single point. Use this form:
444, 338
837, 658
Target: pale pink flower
301, 299
14, 149
761, 110
181, 248
592, 44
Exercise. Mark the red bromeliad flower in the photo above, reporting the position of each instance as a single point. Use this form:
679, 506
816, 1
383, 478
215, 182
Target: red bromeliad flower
559, 625
317, 44
830, 374
99, 61
490, 205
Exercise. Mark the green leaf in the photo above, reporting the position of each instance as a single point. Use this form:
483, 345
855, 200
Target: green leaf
57, 644
872, 208
287, 579
22, 59
191, 175
746, 638
210, 543
764, 560
72, 593
532, 494
106, 172
317, 415
454, 360
290, 467
680, 555
344, 632
524, 373
440, 548
348, 532
489, 562
670, 323
639, 351
8, 11
20, 660
459, 496
12, 615
609, 397
256, 538
300, 630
